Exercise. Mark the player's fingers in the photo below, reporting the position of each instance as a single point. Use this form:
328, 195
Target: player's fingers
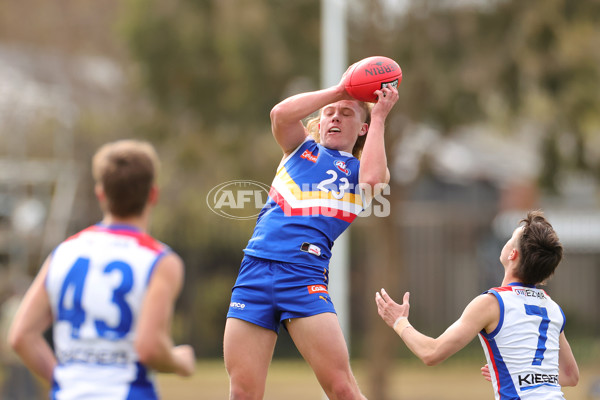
385, 296
485, 371
406, 298
390, 92
386, 93
381, 303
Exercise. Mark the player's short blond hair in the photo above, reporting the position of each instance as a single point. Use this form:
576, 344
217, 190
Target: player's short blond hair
126, 170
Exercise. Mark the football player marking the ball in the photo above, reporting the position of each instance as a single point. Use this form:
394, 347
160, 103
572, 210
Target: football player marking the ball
109, 292
315, 195
520, 327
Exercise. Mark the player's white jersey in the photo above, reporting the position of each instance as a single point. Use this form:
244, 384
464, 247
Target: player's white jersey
522, 352
96, 283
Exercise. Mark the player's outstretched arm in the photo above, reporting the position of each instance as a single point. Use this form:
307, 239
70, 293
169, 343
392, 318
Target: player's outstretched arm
153, 341
568, 371
374, 173
479, 314
32, 319
287, 116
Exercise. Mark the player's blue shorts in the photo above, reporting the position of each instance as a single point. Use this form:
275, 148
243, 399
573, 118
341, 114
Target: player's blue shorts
267, 292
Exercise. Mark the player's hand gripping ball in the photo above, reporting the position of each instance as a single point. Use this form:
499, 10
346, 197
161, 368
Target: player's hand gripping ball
371, 74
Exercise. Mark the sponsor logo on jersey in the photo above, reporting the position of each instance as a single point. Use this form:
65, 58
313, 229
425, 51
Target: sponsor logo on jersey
308, 155
317, 289
526, 380
88, 355
311, 248
342, 167
235, 304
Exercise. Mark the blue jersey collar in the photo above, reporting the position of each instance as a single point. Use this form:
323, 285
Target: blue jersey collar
520, 284
119, 227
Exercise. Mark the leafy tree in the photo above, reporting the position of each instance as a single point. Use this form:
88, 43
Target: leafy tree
221, 60
502, 64
213, 69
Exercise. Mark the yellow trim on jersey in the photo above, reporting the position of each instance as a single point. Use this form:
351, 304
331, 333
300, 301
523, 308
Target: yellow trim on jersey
285, 179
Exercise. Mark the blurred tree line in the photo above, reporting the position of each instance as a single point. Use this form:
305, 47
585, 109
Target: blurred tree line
202, 75
215, 68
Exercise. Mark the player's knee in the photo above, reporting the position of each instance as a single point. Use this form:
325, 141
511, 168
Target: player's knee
343, 389
241, 393
240, 389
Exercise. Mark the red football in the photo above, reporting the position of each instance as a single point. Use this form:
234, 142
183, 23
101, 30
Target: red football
371, 74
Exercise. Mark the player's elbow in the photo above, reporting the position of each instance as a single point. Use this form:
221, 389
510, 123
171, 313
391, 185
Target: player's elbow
432, 357
569, 377
16, 340
145, 355
374, 181
148, 351
574, 380
279, 121
431, 360
277, 114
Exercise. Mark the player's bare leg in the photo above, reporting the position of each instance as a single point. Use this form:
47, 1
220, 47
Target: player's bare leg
248, 350
321, 342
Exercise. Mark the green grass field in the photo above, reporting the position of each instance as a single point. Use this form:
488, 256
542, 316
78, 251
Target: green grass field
410, 380
293, 380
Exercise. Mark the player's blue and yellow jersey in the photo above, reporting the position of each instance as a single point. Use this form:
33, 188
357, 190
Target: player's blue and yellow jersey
313, 198
96, 282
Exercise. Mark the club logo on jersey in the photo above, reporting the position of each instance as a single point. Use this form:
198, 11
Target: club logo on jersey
342, 167
308, 155
317, 289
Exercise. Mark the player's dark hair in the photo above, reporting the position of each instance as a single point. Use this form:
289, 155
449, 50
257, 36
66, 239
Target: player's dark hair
541, 250
126, 169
